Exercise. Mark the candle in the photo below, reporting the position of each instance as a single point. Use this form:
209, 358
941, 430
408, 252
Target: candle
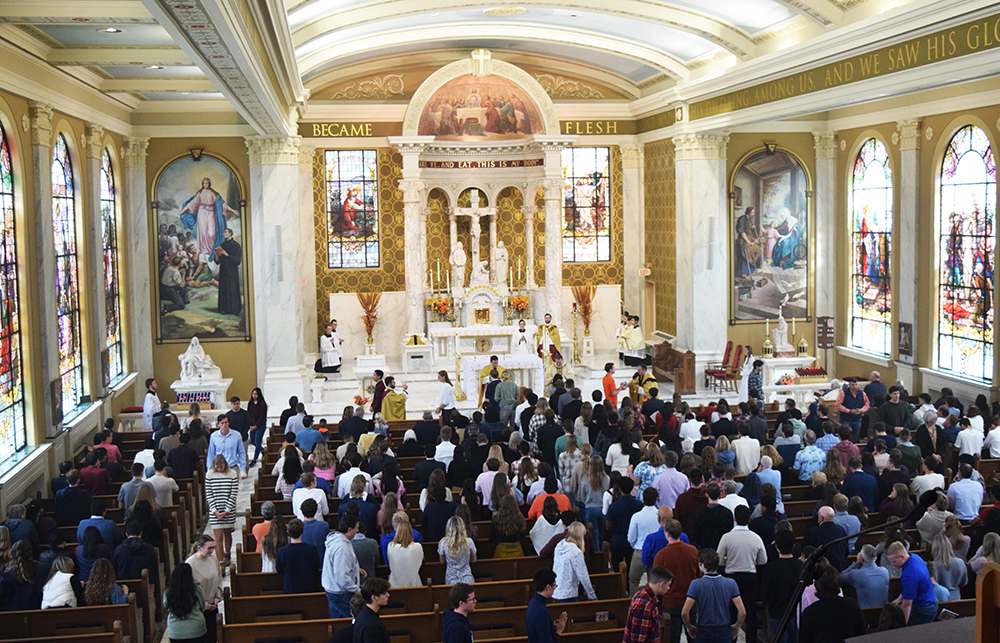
439, 271
448, 277
510, 278
430, 276
767, 326
519, 269
793, 327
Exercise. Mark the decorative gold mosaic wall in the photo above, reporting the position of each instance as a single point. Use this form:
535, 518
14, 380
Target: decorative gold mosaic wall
661, 252
389, 275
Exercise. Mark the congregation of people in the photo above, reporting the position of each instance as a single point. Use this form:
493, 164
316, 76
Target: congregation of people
688, 502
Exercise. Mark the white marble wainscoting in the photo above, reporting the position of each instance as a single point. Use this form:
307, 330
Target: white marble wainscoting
136, 229
390, 330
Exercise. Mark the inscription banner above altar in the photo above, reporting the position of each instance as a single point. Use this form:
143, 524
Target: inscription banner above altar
481, 165
961, 40
342, 130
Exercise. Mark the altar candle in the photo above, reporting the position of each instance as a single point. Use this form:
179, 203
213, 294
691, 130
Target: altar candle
519, 269
448, 277
439, 271
430, 276
510, 278
793, 327
767, 327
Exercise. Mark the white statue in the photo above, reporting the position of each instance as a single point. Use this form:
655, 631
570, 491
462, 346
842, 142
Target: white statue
458, 260
779, 336
480, 274
197, 365
500, 268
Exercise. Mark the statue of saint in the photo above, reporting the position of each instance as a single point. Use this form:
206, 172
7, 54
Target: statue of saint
458, 260
480, 274
500, 265
779, 336
196, 363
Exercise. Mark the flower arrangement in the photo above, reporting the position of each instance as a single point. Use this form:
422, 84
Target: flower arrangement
360, 400
518, 304
584, 296
439, 307
369, 304
785, 380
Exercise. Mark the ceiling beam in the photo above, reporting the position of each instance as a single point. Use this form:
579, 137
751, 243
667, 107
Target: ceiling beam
65, 10
147, 84
117, 56
719, 32
825, 13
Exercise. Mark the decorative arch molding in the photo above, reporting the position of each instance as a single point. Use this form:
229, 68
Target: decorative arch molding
516, 75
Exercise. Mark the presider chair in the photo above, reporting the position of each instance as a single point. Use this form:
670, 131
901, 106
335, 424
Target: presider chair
711, 370
727, 377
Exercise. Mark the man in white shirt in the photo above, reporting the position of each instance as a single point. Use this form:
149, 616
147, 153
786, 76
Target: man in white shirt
295, 422
965, 494
993, 441
925, 405
643, 523
309, 490
747, 451
150, 405
730, 498
445, 450
346, 478
520, 409
929, 480
742, 552
162, 485
484, 483
970, 439
691, 428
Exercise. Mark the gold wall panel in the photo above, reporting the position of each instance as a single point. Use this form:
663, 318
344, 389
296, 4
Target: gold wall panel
389, 276
661, 250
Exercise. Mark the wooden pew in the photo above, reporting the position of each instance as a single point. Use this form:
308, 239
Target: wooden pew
962, 608
115, 636
71, 621
146, 602
672, 365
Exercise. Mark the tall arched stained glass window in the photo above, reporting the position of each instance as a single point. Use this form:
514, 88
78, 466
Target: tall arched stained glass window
586, 231
871, 221
112, 300
12, 429
352, 208
966, 243
67, 279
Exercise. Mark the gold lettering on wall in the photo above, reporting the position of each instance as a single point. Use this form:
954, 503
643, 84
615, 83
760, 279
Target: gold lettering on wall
341, 130
962, 40
597, 128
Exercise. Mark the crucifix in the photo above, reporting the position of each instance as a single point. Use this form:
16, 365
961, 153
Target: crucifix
479, 267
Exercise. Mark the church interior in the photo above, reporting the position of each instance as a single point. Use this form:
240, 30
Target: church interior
191, 190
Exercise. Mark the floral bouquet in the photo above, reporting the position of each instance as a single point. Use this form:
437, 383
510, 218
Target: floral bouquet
439, 307
584, 296
369, 304
360, 400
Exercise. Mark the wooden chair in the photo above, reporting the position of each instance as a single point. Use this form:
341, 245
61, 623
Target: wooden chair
711, 369
727, 377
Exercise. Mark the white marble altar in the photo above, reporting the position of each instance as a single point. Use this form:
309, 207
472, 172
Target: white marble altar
526, 370
775, 367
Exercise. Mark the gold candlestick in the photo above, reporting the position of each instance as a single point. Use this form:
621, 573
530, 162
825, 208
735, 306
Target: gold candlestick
459, 393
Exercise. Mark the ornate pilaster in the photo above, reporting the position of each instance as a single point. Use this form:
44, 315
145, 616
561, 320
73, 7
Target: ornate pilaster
274, 241
825, 201
553, 249
95, 141
905, 241
529, 258
422, 250
702, 252
45, 256
413, 202
94, 150
634, 247
135, 270
307, 258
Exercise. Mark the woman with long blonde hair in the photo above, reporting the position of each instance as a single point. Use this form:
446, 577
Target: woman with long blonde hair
582, 423
651, 466
579, 472
988, 553
567, 460
724, 453
949, 571
326, 463
194, 413
496, 451
592, 489
405, 555
772, 453
956, 536
834, 469
507, 528
708, 460
457, 552
570, 568
222, 485
384, 517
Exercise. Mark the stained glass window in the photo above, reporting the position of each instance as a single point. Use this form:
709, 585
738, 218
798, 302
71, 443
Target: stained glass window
12, 429
586, 204
966, 244
112, 300
871, 220
352, 208
67, 279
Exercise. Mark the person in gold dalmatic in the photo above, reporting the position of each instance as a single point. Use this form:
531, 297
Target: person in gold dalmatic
547, 340
484, 375
639, 387
394, 401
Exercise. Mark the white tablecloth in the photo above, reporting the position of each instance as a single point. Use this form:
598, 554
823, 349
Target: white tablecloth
472, 365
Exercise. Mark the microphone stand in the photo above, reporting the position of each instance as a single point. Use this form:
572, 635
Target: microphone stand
805, 578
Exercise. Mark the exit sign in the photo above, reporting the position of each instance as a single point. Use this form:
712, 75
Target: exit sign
644, 272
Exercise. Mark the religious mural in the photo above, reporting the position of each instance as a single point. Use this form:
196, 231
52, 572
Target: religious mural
770, 245
200, 240
479, 108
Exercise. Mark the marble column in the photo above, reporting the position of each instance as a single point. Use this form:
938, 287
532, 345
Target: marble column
494, 277
95, 241
307, 257
422, 249
634, 247
47, 337
906, 243
277, 290
414, 193
824, 261
135, 277
529, 247
553, 249
702, 250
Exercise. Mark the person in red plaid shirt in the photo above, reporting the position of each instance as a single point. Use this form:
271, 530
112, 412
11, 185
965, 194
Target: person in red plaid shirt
644, 618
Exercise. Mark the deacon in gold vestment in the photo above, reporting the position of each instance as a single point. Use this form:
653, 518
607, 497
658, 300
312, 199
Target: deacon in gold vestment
484, 375
547, 340
639, 386
394, 401
559, 366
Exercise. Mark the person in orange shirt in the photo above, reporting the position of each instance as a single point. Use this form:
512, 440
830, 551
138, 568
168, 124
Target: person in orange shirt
551, 489
610, 388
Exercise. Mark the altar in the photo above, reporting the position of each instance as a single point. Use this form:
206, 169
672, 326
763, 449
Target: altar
525, 370
486, 339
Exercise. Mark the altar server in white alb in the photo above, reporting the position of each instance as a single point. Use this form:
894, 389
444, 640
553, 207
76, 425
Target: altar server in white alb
329, 350
150, 405
521, 340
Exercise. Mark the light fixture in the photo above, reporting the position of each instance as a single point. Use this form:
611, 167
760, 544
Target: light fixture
110, 30
154, 67
504, 11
